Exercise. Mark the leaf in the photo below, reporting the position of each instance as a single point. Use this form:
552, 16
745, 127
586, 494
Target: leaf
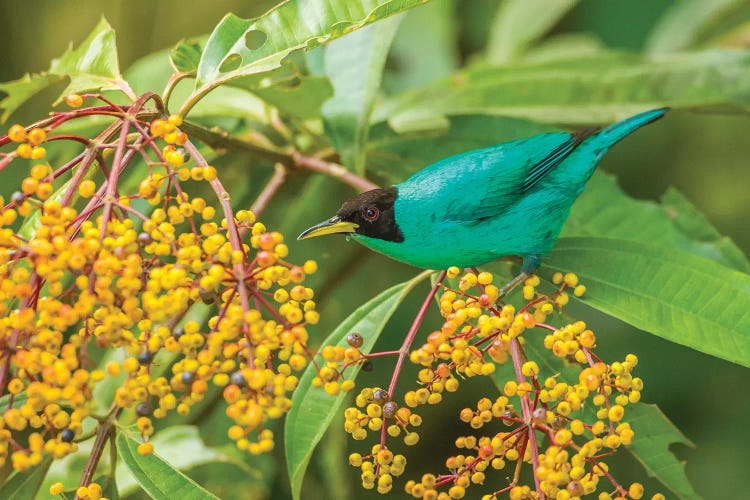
565, 46
26, 484
259, 45
675, 295
312, 408
393, 156
592, 90
518, 24
354, 65
182, 447
420, 56
675, 223
654, 433
186, 55
18, 401
93, 65
21, 90
301, 96
157, 478
682, 23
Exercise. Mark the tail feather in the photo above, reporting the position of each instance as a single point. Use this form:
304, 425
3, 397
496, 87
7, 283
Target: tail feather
618, 131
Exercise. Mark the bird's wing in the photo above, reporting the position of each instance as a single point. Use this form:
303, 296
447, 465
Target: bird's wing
482, 184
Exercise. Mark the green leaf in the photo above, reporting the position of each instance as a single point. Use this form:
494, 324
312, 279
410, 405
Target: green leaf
21, 90
182, 448
301, 96
565, 46
654, 433
18, 401
518, 24
312, 408
683, 23
186, 55
675, 295
421, 56
259, 45
93, 65
393, 156
592, 90
157, 478
674, 223
25, 484
354, 65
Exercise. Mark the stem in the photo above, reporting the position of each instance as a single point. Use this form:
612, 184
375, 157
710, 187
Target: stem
103, 433
333, 170
171, 84
273, 186
406, 345
515, 352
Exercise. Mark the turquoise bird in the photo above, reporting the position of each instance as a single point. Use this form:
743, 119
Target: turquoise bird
476, 207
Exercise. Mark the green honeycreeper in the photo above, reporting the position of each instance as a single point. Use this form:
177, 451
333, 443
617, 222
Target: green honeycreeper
479, 206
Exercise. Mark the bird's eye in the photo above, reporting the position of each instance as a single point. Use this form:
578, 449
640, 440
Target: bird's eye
372, 213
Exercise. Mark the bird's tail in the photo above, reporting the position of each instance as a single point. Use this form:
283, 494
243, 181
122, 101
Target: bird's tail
618, 131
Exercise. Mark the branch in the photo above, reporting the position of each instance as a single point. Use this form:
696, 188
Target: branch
103, 433
264, 149
274, 184
515, 351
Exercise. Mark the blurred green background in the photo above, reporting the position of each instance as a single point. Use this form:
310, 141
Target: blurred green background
704, 156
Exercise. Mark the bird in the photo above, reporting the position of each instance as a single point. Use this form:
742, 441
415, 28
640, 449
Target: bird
473, 208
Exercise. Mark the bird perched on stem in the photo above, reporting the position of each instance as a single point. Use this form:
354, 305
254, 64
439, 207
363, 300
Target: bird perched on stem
479, 206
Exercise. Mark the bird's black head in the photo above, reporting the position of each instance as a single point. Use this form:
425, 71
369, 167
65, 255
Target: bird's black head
370, 214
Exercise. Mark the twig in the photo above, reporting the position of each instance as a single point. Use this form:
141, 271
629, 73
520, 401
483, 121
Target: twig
103, 432
406, 345
273, 186
515, 352
333, 170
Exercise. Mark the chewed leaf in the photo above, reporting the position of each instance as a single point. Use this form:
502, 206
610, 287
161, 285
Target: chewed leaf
258, 45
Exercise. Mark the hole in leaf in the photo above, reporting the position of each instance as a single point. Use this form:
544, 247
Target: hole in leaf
255, 39
231, 63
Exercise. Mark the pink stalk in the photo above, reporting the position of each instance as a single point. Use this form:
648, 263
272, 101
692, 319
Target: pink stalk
515, 352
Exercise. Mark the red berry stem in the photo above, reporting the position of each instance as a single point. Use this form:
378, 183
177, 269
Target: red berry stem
516, 355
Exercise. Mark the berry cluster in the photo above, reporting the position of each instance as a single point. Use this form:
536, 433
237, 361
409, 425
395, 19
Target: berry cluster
563, 422
93, 268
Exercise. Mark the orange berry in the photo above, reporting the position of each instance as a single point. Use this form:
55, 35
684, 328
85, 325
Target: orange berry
36, 136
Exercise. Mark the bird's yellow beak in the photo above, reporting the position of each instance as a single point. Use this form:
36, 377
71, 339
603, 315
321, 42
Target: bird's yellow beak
331, 226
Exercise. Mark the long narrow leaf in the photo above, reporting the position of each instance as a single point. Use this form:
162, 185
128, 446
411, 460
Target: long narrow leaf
312, 409
157, 478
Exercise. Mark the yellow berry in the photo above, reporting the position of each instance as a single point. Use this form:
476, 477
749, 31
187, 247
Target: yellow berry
74, 100
145, 449
17, 133
56, 489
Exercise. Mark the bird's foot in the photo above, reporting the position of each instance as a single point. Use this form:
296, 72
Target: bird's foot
508, 287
